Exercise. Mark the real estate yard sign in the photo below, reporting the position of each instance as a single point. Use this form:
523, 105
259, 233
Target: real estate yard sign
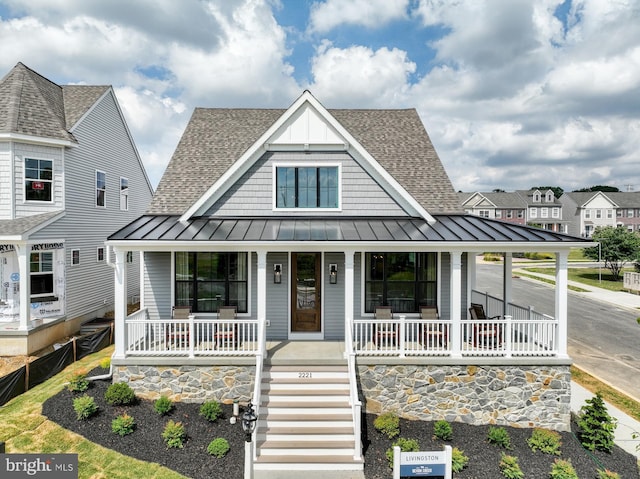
433, 464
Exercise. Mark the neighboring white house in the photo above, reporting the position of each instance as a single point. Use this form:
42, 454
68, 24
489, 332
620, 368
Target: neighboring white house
331, 230
588, 210
70, 175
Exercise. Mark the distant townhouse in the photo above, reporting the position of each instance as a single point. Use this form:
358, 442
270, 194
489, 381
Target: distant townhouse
535, 207
586, 211
70, 175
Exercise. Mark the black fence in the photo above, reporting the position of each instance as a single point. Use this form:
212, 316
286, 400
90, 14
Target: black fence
38, 371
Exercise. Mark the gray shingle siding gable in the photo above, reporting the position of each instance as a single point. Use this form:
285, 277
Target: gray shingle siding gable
216, 138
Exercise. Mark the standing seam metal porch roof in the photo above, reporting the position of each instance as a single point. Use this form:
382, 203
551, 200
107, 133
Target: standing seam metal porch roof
447, 228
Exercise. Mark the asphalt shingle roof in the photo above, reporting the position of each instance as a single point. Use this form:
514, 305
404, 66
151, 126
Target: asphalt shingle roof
32, 105
25, 224
215, 138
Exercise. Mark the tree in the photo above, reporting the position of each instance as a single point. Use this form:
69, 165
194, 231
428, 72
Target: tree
617, 247
604, 188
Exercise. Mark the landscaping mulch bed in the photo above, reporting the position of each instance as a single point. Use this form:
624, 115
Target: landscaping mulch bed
193, 461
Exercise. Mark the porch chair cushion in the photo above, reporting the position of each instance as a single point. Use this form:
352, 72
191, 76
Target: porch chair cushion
486, 334
432, 334
226, 334
384, 334
178, 334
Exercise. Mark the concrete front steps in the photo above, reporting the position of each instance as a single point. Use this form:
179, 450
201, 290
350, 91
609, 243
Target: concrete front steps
306, 422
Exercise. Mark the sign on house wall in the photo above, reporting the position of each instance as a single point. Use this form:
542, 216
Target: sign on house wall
51, 306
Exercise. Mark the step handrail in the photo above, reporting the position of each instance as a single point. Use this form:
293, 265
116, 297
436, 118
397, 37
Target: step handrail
354, 401
262, 348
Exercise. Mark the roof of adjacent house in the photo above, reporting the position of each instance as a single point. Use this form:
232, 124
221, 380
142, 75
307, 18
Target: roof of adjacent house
216, 138
32, 105
501, 199
620, 199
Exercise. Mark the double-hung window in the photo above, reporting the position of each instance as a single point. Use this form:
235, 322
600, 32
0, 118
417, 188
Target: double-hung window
38, 179
404, 281
307, 187
41, 274
101, 188
124, 194
207, 280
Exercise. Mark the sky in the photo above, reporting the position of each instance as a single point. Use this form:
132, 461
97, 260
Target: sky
513, 93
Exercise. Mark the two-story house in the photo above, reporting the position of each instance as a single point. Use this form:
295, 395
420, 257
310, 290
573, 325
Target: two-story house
587, 211
70, 175
501, 205
307, 258
544, 210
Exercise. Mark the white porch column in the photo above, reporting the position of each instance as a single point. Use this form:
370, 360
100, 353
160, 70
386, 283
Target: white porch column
22, 250
261, 298
507, 281
120, 303
561, 302
348, 291
455, 298
471, 275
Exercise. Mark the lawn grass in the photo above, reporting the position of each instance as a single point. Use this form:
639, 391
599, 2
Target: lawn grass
549, 280
25, 430
587, 276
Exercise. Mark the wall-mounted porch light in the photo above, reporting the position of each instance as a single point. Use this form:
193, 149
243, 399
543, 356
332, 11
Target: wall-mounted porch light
277, 273
333, 273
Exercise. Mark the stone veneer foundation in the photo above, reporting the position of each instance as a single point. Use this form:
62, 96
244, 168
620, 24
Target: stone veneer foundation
520, 396
189, 383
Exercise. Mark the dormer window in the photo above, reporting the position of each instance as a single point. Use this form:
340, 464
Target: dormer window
549, 198
38, 179
536, 197
306, 187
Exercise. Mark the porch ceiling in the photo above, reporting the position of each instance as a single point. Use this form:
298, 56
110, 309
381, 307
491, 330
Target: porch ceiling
447, 228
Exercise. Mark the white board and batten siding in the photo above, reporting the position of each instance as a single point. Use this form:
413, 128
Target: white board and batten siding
105, 145
5, 181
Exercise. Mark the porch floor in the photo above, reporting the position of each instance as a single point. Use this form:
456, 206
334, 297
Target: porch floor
305, 352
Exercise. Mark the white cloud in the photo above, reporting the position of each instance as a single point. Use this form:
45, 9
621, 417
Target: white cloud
368, 13
360, 77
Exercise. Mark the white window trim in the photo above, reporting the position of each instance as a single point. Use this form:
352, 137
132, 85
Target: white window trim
274, 169
96, 189
555, 212
544, 212
533, 212
42, 273
24, 180
123, 194
587, 214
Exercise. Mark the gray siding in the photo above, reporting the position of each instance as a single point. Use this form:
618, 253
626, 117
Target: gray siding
252, 194
157, 284
333, 303
104, 144
278, 298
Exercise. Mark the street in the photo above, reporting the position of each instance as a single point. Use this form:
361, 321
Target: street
604, 339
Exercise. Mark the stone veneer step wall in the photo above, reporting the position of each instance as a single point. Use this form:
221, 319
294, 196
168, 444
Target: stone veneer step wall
520, 396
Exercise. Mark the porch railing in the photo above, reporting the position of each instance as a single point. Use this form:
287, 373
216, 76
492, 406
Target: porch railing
191, 337
354, 401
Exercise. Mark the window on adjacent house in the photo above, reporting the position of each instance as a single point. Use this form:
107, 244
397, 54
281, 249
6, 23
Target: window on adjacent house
544, 212
619, 213
555, 212
404, 281
498, 213
587, 213
483, 213
598, 214
536, 197
520, 214
509, 214
549, 198
41, 274
75, 256
124, 194
100, 254
38, 179
307, 187
629, 213
101, 188
533, 212
205, 281
609, 214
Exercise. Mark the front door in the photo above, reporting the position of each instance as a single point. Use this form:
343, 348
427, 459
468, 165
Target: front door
305, 294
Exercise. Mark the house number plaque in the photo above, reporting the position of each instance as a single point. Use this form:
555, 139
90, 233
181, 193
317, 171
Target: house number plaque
304, 375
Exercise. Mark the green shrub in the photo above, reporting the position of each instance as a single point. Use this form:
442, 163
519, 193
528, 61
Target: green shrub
596, 426
405, 445
607, 474
123, 425
85, 407
78, 382
562, 469
492, 257
105, 363
443, 430
510, 468
174, 434
219, 447
499, 436
388, 423
545, 440
163, 405
211, 410
119, 394
458, 460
